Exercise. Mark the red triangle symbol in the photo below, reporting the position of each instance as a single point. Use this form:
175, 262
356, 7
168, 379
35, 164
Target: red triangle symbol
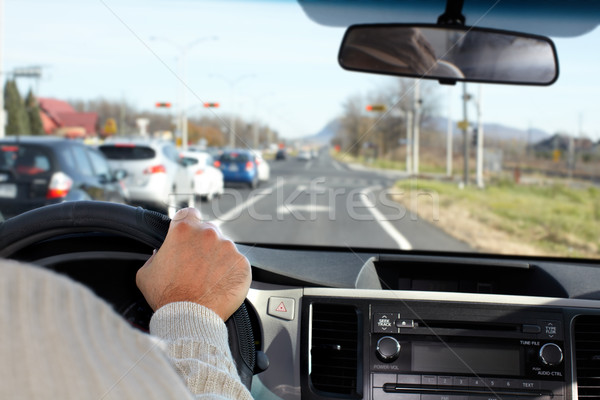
281, 307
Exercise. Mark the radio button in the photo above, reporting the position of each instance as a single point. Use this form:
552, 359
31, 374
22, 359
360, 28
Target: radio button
445, 381
443, 397
529, 385
510, 384
492, 383
552, 329
429, 380
476, 382
384, 323
406, 379
461, 381
492, 397
380, 379
379, 394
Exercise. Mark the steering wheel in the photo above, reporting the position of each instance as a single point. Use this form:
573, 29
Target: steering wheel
147, 227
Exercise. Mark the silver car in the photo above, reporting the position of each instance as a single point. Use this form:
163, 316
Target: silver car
156, 177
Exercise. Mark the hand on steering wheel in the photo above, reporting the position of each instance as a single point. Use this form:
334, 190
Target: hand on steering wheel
197, 264
191, 244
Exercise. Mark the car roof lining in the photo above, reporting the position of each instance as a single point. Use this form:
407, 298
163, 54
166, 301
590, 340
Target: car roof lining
556, 18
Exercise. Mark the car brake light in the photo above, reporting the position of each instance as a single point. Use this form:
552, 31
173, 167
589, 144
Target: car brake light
10, 148
249, 166
217, 164
124, 145
155, 169
200, 172
59, 186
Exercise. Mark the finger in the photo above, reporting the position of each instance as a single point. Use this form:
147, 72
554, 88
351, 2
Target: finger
210, 225
188, 212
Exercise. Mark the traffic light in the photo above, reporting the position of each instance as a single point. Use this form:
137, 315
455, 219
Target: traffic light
211, 105
376, 107
165, 105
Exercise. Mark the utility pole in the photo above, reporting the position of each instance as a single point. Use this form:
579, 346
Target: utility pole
465, 129
232, 84
409, 121
182, 121
480, 183
449, 130
416, 126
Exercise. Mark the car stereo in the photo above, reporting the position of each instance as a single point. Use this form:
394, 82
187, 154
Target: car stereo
419, 352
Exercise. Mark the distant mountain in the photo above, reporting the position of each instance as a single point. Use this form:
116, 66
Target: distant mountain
325, 135
494, 130
491, 130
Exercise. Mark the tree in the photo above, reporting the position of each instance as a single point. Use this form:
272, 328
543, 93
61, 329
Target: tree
33, 113
354, 126
18, 122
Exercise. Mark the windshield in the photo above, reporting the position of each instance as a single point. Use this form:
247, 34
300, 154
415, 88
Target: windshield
349, 159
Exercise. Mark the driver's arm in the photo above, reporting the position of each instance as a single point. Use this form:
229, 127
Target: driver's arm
194, 283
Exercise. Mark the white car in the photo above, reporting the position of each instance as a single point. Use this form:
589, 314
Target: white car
264, 171
208, 180
156, 179
304, 155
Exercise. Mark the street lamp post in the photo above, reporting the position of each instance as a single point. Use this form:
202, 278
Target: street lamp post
232, 83
183, 80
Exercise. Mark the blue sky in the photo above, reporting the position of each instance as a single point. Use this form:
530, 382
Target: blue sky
93, 48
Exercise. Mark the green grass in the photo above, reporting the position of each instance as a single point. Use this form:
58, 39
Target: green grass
557, 219
379, 163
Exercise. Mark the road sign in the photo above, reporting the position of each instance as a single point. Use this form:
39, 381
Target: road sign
211, 105
556, 155
464, 125
110, 127
165, 105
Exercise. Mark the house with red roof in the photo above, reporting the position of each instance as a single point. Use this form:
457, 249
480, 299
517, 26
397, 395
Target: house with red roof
60, 118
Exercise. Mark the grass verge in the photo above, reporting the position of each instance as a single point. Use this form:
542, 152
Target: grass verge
505, 218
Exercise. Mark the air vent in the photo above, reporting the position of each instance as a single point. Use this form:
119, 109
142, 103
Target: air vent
587, 355
334, 349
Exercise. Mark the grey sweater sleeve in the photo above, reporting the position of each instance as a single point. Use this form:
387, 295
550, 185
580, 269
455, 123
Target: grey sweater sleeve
196, 342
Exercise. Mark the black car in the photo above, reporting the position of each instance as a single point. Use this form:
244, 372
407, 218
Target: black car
280, 155
37, 171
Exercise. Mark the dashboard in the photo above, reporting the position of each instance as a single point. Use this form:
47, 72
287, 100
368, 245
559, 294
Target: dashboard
358, 324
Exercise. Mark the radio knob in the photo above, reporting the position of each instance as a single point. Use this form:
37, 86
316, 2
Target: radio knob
551, 354
388, 349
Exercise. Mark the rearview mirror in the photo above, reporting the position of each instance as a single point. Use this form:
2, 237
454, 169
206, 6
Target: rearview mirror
450, 54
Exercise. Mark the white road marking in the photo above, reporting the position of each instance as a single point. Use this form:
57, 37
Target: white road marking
236, 211
291, 208
336, 165
402, 242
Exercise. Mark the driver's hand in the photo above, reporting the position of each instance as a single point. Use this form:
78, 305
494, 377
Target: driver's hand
196, 263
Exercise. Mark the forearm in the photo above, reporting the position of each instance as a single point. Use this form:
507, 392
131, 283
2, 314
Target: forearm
196, 341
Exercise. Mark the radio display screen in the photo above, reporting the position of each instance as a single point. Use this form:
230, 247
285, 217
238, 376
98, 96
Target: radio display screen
466, 359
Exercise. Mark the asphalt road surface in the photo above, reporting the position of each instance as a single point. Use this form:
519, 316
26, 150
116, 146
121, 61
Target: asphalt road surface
324, 202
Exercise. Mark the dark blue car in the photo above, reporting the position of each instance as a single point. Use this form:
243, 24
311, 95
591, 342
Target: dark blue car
238, 166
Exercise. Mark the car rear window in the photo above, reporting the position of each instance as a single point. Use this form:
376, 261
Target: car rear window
187, 161
127, 152
234, 157
24, 160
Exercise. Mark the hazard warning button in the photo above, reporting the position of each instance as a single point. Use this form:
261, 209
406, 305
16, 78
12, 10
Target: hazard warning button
281, 307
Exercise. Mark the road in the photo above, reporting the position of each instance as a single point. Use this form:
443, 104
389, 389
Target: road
324, 202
